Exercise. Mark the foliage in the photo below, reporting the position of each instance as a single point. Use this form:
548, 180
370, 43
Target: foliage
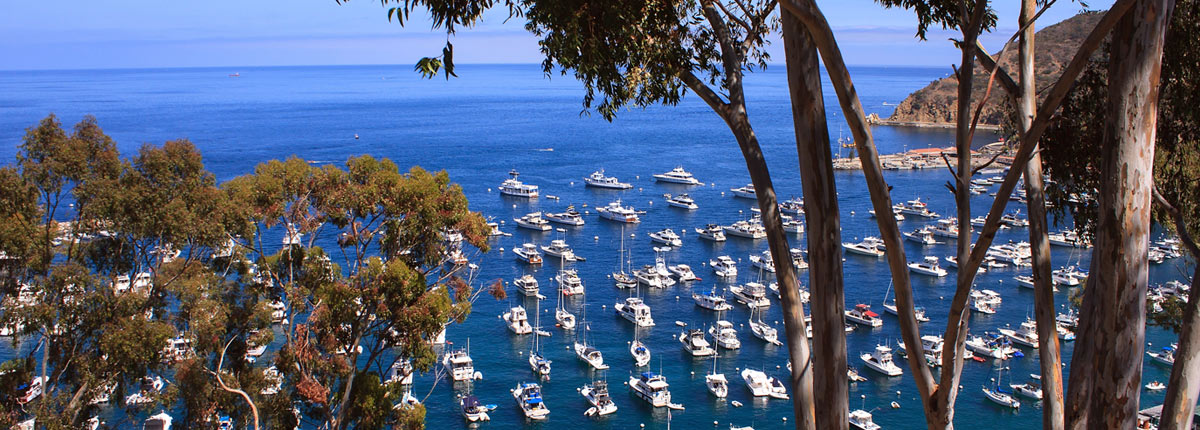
947, 14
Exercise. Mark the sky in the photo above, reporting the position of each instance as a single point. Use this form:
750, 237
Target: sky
79, 34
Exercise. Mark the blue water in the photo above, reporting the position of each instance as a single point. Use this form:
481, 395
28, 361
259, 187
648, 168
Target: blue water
501, 117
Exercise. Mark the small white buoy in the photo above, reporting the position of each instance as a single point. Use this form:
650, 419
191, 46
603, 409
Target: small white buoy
603, 306
572, 183
514, 206
693, 373
677, 298
852, 213
639, 188
785, 419
489, 190
651, 203
714, 423
595, 237
643, 425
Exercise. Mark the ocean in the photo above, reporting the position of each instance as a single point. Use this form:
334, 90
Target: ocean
495, 118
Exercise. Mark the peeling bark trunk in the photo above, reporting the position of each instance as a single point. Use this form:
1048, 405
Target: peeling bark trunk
1184, 385
823, 223
1106, 369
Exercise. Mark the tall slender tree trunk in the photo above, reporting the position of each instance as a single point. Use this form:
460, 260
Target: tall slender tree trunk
1051, 360
823, 222
1106, 368
1180, 404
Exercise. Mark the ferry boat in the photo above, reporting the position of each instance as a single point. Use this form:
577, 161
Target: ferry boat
881, 361
459, 365
529, 398
1165, 356
615, 212
695, 343
590, 355
527, 285
683, 272
763, 261
945, 228
916, 207
597, 395
928, 267
922, 236
528, 253
752, 294
711, 232
666, 237
724, 266
870, 246
682, 201
559, 250
636, 311
862, 420
725, 335
711, 301
569, 217
863, 315
569, 282
533, 221
514, 187
761, 385
517, 320
1026, 334
651, 387
746, 229
598, 180
677, 176
472, 410
746, 192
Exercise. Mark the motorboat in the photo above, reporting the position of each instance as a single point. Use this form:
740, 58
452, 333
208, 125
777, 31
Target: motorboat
528, 253
569, 282
753, 294
1070, 319
472, 410
851, 374
656, 276
982, 305
922, 236
798, 259
666, 237
945, 228
1024, 281
517, 320
918, 312
928, 267
1069, 276
793, 206
762, 385
932, 346
724, 266
651, 387
1068, 239
711, 301
514, 187
711, 232
636, 311
527, 285
533, 221
590, 355
880, 361
725, 335
774, 287
597, 395
682, 201
895, 213
1064, 333
986, 296
459, 365
149, 387
862, 314
159, 421
683, 272
569, 217
746, 229
615, 212
677, 176
401, 372
870, 246
1013, 219
793, 226
1026, 334
598, 180
862, 420
915, 207
695, 343
529, 399
1164, 356
746, 192
1156, 386
763, 261
1029, 389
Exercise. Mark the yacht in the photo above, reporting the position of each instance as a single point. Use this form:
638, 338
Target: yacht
764, 331
569, 282
1068, 238
401, 372
918, 312
1165, 356
615, 212
597, 395
682, 201
652, 388
724, 266
1069, 276
945, 228
1029, 389
1156, 386
798, 259
916, 207
793, 226
763, 261
517, 320
746, 192
711, 301
922, 236
677, 176
895, 213
712, 232
514, 187
747, 229
666, 237
990, 345
717, 384
725, 335
459, 365
528, 253
870, 246
598, 180
683, 272
881, 361
752, 294
590, 355
1013, 219
636, 311
529, 398
1024, 281
569, 217
527, 285
1026, 334
472, 410
987, 296
862, 420
761, 385
533, 221
695, 343
932, 346
792, 206
928, 267
656, 276
862, 314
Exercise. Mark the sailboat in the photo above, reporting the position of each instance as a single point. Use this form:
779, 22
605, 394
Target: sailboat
999, 396
764, 331
716, 382
622, 278
588, 353
639, 350
891, 308
537, 362
565, 318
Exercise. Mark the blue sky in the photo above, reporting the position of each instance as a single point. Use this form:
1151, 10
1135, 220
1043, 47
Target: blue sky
77, 34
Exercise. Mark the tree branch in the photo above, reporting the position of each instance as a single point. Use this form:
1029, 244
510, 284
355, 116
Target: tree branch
221, 383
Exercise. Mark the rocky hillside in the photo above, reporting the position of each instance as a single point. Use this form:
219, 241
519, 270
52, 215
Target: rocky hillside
1055, 45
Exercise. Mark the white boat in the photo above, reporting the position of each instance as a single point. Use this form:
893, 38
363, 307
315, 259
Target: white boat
793, 226
928, 267
569, 217
597, 395
763, 261
472, 410
533, 221
565, 318
459, 365
747, 229
1026, 334
1164, 356
761, 385
862, 420
160, 421
527, 285
514, 187
592, 356
401, 372
746, 192
682, 201
712, 232
724, 266
652, 388
620, 278
1024, 281
538, 362
862, 314
982, 305
656, 276
890, 307
695, 343
792, 206
895, 213
870, 246
615, 212
716, 382
559, 250
666, 237
798, 259
922, 236
915, 207
517, 320
640, 353
1013, 219
1068, 238
725, 335
569, 282
528, 253
774, 287
636, 311
880, 360
711, 301
677, 176
1156, 386
1069, 276
764, 331
598, 180
1028, 389
752, 294
989, 345
945, 228
529, 398
932, 346
148, 390
683, 272
998, 395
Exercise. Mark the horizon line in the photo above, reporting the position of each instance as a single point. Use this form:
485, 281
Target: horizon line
234, 69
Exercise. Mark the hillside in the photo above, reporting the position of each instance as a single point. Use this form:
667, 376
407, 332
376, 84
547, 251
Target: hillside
1055, 45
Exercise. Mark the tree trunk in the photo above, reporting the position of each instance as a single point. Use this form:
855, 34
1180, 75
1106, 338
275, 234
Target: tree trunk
1180, 403
823, 222
1106, 369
